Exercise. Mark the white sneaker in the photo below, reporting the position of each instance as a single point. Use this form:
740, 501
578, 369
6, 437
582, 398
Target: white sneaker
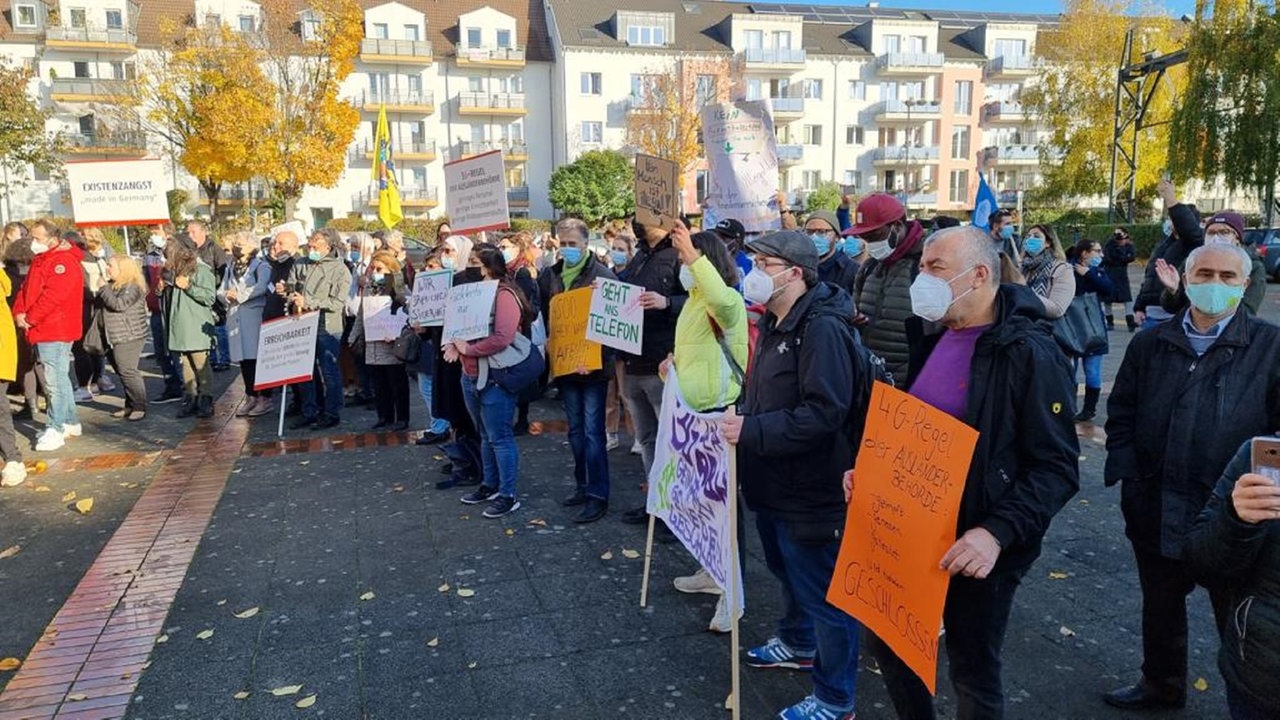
48, 440
699, 582
637, 448
73, 430
83, 395
611, 442
13, 475
106, 384
721, 622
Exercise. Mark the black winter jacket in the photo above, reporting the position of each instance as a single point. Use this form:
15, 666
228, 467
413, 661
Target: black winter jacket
1116, 257
1175, 419
551, 284
1174, 250
1224, 552
1026, 464
794, 448
656, 269
840, 270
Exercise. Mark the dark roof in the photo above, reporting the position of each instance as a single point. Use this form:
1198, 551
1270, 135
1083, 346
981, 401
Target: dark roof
589, 23
954, 44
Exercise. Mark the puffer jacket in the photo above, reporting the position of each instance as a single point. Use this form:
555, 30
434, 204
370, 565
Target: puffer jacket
1175, 418
884, 297
549, 284
324, 284
1225, 553
124, 316
707, 381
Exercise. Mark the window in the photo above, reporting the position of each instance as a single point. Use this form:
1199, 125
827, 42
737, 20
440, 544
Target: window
592, 132
310, 27
512, 84
478, 136
412, 32
380, 31
590, 83
960, 142
705, 89
379, 83
889, 90
853, 135
475, 84
86, 124
916, 44
420, 177
812, 134
414, 84
754, 38
214, 20
857, 90
115, 20
473, 37
811, 179
892, 43
246, 23
781, 39
123, 70
853, 179
25, 17
642, 86
912, 90
513, 132
959, 189
964, 97
80, 68
504, 38
813, 89
1008, 47
77, 17
755, 89
701, 181
651, 35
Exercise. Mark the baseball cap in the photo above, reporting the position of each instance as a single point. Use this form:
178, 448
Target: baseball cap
875, 211
1230, 218
791, 245
730, 228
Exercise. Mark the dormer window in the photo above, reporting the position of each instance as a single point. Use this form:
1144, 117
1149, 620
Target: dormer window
77, 17
473, 37
504, 39
310, 25
247, 23
115, 20
24, 17
647, 35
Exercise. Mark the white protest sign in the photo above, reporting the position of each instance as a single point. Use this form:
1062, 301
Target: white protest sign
118, 192
616, 318
742, 160
293, 226
689, 485
468, 311
476, 194
286, 350
430, 295
380, 325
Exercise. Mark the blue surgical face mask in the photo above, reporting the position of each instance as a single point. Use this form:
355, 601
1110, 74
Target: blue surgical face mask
354, 256
1006, 232
1034, 245
853, 246
571, 255
314, 256
821, 243
509, 255
379, 278
619, 257
1095, 261
448, 262
1215, 299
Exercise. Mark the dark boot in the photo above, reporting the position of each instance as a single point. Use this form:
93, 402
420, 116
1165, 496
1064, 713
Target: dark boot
1133, 324
188, 407
204, 406
1090, 408
1111, 322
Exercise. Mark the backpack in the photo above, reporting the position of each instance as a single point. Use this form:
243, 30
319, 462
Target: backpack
870, 368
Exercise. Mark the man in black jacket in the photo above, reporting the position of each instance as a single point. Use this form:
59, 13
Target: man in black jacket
997, 368
1184, 234
1187, 394
793, 447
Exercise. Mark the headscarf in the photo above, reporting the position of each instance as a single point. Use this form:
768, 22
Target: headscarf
461, 245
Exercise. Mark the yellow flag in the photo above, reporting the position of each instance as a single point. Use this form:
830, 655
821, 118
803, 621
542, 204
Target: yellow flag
384, 172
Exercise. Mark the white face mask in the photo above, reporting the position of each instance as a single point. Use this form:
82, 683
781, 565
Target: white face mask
757, 286
158, 242
879, 250
37, 248
1225, 238
931, 296
686, 278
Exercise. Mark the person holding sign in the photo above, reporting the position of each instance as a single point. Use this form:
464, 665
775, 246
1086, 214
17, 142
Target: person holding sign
582, 391
998, 369
321, 281
390, 380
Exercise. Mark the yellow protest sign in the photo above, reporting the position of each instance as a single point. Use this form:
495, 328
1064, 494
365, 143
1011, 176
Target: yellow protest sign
568, 349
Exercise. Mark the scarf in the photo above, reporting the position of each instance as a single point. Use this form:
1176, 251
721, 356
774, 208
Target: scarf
1039, 272
569, 273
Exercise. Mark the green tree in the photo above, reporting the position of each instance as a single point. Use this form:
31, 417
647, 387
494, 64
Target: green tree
599, 186
23, 139
826, 197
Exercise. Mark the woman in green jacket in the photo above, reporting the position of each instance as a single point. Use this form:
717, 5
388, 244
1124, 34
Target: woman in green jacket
189, 300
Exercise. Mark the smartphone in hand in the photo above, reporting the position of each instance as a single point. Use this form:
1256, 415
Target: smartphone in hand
1266, 457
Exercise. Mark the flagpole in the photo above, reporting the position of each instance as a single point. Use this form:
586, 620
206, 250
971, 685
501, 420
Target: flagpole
648, 559
732, 598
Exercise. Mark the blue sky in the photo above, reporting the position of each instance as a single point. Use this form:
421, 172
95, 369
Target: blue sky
1175, 7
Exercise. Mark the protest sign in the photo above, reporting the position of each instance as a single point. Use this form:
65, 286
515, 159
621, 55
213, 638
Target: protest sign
657, 191
476, 193
467, 312
616, 318
380, 325
430, 295
909, 478
742, 164
293, 226
286, 350
689, 485
118, 192
568, 348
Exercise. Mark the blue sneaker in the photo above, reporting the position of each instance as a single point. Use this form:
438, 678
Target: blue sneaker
777, 654
811, 708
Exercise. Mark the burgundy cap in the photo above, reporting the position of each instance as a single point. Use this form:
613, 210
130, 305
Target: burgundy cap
876, 211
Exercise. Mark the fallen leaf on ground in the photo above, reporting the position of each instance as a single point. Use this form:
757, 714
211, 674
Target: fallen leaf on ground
728, 702
10, 552
306, 702
1066, 631
146, 665
471, 666
1201, 684
241, 695
69, 497
433, 642
9, 664
286, 690
464, 517
630, 554
305, 462
84, 506
466, 592
1057, 576
247, 613
367, 596
437, 457
204, 634
77, 697
608, 555
539, 523
162, 639
443, 588
42, 488
510, 532
397, 488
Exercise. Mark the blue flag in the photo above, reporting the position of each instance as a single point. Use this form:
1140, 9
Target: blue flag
983, 205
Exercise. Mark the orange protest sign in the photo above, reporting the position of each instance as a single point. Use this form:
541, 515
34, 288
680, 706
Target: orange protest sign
568, 349
909, 477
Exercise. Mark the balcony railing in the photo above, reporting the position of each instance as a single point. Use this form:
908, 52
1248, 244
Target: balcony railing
1012, 63
775, 56
1007, 110
91, 87
399, 98
899, 153
518, 194
409, 195
1018, 152
790, 154
903, 107
480, 55
512, 148
414, 49
901, 60
255, 193
93, 37
491, 101
126, 140
787, 104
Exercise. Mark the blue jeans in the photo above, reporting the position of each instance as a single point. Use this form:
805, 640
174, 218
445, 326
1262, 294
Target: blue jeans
170, 364
55, 357
491, 410
1092, 371
327, 345
810, 624
426, 388
584, 408
221, 348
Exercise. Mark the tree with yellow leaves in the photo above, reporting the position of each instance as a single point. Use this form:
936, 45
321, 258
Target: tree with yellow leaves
665, 114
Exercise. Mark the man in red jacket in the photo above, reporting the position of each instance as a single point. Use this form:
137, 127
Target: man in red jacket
48, 309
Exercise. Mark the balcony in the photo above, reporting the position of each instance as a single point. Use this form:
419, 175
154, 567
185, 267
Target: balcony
774, 59
918, 199
1004, 112
128, 144
906, 110
518, 196
409, 102
514, 151
786, 109
239, 196
1013, 155
790, 155
1012, 66
69, 38
417, 150
491, 104
395, 52
905, 155
491, 57
900, 63
410, 197
91, 90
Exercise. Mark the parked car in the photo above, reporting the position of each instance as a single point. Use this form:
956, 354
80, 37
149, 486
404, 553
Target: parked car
1266, 241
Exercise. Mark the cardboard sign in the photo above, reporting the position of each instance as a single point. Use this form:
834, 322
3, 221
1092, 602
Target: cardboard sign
909, 477
657, 191
568, 348
118, 192
742, 164
286, 350
616, 318
430, 295
476, 193
380, 325
467, 313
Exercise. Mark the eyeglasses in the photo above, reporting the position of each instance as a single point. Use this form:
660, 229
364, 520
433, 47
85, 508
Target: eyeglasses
762, 264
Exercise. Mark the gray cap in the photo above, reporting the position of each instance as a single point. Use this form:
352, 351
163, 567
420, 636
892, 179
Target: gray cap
791, 245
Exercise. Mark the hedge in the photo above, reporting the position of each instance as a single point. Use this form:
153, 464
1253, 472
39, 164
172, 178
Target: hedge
424, 229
